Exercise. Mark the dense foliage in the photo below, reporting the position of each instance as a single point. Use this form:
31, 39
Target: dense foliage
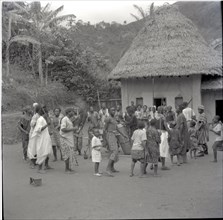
35, 40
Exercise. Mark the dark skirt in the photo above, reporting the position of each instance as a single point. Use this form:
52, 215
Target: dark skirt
137, 154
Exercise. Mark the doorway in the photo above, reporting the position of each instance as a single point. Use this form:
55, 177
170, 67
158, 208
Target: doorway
219, 108
159, 102
139, 101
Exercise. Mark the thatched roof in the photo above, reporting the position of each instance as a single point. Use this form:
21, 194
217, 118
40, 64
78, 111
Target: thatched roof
168, 45
214, 84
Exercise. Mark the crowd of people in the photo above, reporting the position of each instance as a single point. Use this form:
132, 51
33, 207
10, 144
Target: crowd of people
153, 134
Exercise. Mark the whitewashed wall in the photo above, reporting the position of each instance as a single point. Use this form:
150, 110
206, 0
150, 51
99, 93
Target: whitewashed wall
168, 87
208, 99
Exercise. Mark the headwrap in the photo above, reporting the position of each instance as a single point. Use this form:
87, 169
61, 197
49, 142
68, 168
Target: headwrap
201, 107
35, 104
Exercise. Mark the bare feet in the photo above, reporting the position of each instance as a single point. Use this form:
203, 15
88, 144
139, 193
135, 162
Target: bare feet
41, 171
165, 168
115, 171
108, 173
143, 176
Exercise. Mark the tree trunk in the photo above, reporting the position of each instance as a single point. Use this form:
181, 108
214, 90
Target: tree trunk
40, 66
32, 64
46, 73
7, 46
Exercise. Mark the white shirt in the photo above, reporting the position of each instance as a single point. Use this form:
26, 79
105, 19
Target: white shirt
218, 128
138, 137
96, 142
188, 113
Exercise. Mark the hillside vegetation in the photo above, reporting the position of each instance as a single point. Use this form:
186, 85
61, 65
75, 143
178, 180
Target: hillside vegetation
86, 54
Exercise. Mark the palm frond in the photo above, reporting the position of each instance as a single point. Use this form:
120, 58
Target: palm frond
136, 17
59, 19
20, 8
54, 13
17, 17
46, 8
24, 39
151, 9
140, 11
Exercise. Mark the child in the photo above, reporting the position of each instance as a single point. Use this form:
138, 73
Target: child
193, 139
138, 148
96, 151
217, 129
174, 143
153, 141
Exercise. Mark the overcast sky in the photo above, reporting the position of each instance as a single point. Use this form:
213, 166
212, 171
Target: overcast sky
108, 11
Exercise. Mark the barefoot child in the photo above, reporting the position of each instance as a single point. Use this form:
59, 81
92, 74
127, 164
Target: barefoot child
193, 139
138, 148
96, 151
153, 141
217, 129
174, 143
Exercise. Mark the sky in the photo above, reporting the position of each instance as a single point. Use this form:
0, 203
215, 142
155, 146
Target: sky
107, 11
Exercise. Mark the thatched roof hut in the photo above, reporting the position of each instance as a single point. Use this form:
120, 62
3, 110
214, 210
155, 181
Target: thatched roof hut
168, 45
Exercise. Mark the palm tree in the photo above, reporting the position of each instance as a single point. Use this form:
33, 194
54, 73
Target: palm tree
143, 14
9, 15
41, 22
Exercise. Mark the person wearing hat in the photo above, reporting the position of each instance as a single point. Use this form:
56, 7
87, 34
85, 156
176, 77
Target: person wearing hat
201, 126
24, 127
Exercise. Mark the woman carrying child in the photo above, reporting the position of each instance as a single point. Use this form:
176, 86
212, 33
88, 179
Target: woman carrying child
153, 141
174, 143
138, 148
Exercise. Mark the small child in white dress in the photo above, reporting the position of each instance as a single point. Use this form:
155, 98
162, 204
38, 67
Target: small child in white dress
96, 151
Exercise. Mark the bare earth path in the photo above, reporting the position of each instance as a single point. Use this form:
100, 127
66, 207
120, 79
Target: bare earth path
193, 190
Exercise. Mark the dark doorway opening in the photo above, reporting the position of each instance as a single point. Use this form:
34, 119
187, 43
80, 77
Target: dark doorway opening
219, 108
139, 101
159, 102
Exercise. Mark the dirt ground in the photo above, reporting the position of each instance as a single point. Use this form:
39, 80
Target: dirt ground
193, 190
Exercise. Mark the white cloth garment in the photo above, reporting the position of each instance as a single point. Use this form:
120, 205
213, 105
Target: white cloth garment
40, 142
164, 146
96, 153
188, 113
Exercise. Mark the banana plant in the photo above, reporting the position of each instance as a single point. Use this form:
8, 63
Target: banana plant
41, 21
